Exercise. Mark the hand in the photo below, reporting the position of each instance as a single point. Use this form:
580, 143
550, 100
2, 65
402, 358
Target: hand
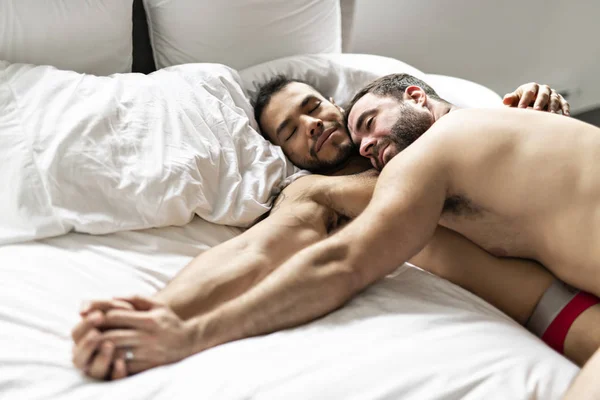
150, 336
90, 354
540, 97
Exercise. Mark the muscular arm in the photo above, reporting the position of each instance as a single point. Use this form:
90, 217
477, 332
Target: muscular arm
229, 269
303, 214
398, 222
346, 195
512, 285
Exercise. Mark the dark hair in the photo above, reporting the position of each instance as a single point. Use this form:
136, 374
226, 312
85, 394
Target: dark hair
266, 91
393, 85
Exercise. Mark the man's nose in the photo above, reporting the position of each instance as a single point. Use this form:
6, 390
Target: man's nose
314, 127
366, 147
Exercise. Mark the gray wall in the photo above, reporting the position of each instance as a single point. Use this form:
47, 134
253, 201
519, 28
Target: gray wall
499, 44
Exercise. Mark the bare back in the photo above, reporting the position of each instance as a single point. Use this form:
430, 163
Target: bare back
526, 184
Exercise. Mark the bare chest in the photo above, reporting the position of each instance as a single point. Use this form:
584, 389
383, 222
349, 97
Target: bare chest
499, 235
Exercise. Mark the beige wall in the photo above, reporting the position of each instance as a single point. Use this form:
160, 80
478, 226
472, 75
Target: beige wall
499, 44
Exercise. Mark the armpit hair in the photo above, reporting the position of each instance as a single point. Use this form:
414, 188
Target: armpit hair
460, 205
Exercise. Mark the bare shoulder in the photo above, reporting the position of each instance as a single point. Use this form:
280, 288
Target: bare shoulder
460, 123
295, 192
311, 186
467, 121
473, 131
300, 189
294, 208
300, 196
460, 137
343, 195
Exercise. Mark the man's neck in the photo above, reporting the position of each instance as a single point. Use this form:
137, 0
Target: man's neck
439, 109
354, 165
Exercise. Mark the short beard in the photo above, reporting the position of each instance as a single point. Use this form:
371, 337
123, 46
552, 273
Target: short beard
409, 127
345, 151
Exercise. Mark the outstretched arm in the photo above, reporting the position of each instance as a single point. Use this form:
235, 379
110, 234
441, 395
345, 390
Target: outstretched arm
398, 222
306, 212
513, 285
229, 269
303, 214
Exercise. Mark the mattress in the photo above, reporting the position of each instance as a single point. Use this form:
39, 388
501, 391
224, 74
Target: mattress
411, 336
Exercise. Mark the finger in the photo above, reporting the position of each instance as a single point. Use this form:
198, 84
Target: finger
529, 92
85, 307
543, 97
566, 108
100, 365
124, 337
85, 348
119, 369
135, 367
511, 99
127, 319
554, 105
144, 352
87, 323
141, 303
104, 305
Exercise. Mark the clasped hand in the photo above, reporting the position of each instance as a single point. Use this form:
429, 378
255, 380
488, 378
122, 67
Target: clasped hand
120, 337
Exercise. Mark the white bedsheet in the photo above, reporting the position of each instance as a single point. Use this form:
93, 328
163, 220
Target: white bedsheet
412, 336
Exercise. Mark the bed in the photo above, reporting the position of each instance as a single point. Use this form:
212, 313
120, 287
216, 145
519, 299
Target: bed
411, 336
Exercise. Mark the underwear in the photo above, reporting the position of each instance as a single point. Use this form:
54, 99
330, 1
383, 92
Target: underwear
556, 311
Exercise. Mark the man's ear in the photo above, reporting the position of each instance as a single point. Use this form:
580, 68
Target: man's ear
416, 94
332, 101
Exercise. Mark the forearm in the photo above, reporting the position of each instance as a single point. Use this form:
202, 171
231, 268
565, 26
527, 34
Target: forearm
395, 226
311, 284
214, 277
318, 279
230, 269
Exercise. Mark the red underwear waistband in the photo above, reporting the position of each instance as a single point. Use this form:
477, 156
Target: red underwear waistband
557, 331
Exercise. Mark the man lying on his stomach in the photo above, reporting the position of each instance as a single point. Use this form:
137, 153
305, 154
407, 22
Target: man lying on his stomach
205, 306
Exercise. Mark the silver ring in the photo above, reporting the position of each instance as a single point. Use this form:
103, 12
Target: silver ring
128, 355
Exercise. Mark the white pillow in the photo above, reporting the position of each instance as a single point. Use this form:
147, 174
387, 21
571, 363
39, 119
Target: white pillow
241, 33
94, 37
129, 151
341, 76
464, 93
334, 75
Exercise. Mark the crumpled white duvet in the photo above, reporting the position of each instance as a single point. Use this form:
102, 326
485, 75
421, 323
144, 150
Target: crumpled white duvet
129, 151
